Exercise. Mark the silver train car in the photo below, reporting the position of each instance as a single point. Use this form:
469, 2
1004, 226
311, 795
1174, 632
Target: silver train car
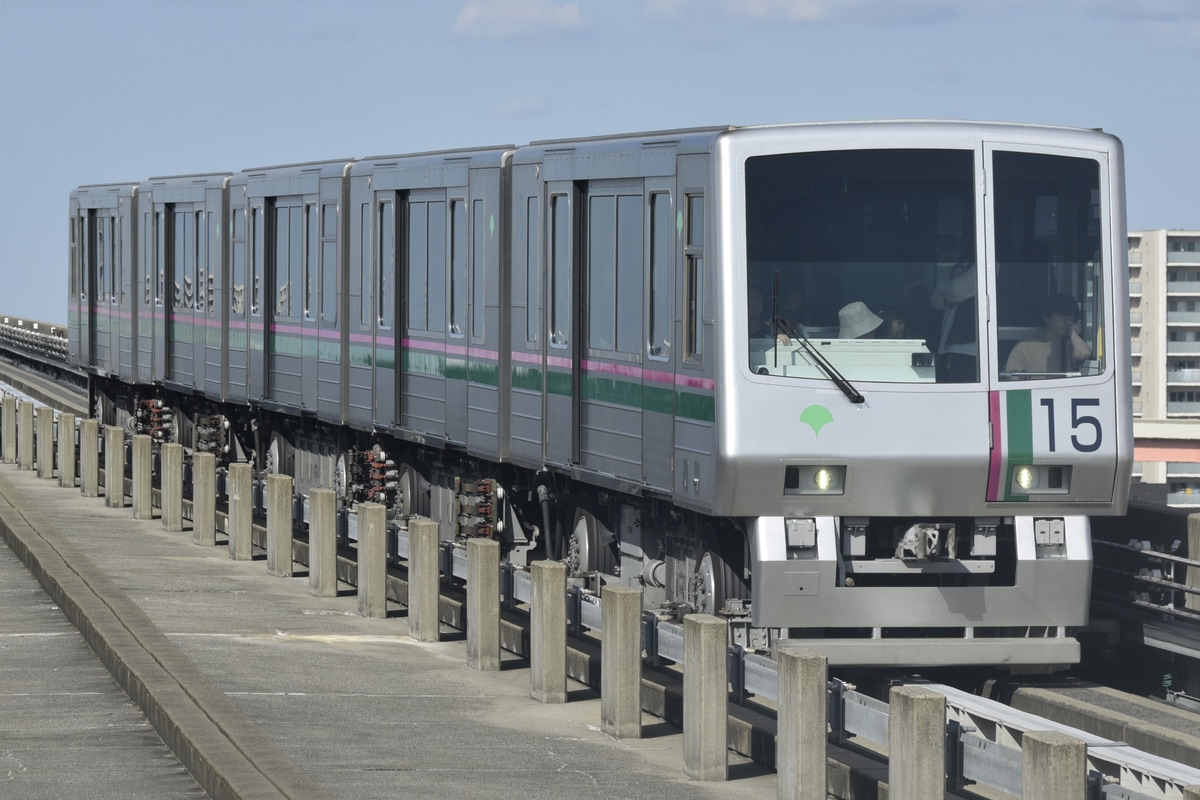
858, 385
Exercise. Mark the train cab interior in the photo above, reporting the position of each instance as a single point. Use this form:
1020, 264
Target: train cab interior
884, 284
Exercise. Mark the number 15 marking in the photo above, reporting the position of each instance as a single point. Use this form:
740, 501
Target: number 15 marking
1078, 420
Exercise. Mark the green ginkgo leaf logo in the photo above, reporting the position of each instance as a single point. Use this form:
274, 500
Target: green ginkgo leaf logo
816, 417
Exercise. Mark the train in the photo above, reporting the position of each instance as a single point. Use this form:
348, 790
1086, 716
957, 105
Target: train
853, 386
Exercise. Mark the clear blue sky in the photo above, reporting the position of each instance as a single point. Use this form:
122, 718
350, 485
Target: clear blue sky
95, 91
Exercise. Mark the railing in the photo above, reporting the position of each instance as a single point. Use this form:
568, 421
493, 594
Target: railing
41, 338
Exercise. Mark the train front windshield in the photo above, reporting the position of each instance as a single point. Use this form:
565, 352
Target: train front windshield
869, 260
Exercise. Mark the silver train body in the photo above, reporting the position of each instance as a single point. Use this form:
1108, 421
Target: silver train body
788, 374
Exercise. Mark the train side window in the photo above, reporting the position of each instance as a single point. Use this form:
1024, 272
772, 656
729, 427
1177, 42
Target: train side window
661, 235
364, 266
181, 259
101, 270
531, 271
602, 273
693, 279
418, 264
329, 263
197, 292
237, 277
145, 255
160, 260
312, 234
560, 271
387, 263
478, 267
458, 268
257, 235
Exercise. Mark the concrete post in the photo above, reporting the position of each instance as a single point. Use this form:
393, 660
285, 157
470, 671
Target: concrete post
801, 744
238, 525
143, 485
424, 577
170, 485
372, 561
548, 632
45, 442
916, 744
66, 450
322, 543
1053, 766
705, 696
483, 604
279, 525
89, 457
25, 434
204, 499
621, 662
114, 466
8, 428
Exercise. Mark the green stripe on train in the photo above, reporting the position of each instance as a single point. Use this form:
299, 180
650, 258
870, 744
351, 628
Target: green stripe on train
1019, 405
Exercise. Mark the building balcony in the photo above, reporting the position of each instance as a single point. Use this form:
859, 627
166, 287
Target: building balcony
1183, 499
1135, 288
1179, 288
1135, 258
1175, 257
1135, 348
1137, 377
1183, 409
1135, 318
1183, 348
1183, 376
1180, 317
1183, 469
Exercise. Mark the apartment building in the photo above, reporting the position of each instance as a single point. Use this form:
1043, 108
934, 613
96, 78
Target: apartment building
1164, 320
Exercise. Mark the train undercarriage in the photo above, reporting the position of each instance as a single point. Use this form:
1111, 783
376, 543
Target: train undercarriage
891, 582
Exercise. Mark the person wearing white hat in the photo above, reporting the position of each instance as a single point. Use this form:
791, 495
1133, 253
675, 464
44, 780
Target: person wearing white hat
857, 321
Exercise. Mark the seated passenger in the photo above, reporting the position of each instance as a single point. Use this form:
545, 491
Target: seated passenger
857, 321
1059, 347
893, 325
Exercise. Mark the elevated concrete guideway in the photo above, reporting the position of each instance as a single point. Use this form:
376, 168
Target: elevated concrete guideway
321, 702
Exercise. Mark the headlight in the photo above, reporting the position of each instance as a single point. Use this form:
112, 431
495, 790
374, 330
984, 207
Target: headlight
814, 479
1040, 479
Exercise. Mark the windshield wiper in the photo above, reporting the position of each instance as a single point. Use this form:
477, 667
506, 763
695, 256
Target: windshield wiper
779, 324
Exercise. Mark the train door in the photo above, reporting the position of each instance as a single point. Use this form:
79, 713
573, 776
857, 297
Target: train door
198, 307
87, 286
1052, 372
561, 355
144, 287
658, 406
611, 380
330, 288
181, 251
528, 330
163, 277
237, 299
432, 349
126, 328
258, 326
386, 343
283, 307
460, 317
483, 418
79, 327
